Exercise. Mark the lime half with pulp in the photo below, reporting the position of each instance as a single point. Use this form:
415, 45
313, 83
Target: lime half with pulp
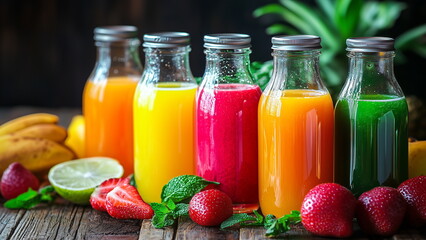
75, 180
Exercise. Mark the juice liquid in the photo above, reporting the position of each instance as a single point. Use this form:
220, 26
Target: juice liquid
371, 142
164, 135
107, 109
227, 147
295, 147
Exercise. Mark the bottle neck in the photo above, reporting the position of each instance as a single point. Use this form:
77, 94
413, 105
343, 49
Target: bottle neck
167, 65
117, 59
296, 70
371, 74
224, 66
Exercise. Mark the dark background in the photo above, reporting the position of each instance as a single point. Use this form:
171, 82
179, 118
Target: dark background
47, 49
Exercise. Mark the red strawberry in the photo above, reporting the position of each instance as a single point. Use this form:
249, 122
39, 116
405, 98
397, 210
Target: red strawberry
124, 202
98, 197
381, 211
414, 192
210, 207
328, 210
17, 179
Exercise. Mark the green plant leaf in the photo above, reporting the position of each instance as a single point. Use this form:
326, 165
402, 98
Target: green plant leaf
268, 9
285, 15
315, 20
346, 16
235, 219
376, 16
327, 7
280, 29
405, 40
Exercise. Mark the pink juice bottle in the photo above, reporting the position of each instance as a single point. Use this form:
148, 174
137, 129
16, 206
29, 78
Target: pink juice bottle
226, 120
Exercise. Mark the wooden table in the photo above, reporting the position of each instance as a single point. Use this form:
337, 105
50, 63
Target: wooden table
64, 220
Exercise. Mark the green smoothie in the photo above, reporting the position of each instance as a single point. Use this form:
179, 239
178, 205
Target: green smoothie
371, 142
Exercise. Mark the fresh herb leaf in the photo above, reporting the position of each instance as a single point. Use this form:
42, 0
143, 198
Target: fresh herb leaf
273, 226
237, 218
181, 210
183, 187
161, 220
31, 198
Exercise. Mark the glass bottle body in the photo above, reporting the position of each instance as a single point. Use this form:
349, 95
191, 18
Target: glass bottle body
164, 105
295, 132
371, 118
108, 100
226, 126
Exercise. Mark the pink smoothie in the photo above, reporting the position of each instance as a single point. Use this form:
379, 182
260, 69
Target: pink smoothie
226, 138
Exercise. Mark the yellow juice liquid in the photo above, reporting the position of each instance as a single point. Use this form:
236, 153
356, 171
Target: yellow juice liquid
164, 135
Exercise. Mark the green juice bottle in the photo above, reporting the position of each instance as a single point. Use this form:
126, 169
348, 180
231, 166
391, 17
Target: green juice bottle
371, 118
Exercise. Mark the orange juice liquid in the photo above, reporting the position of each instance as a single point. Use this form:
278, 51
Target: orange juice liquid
107, 109
164, 136
295, 147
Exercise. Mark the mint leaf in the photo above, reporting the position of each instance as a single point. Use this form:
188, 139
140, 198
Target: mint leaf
25, 200
181, 210
159, 208
237, 218
31, 198
183, 187
170, 204
161, 220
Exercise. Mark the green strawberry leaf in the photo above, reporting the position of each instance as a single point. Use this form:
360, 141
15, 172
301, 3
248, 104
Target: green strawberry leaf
183, 187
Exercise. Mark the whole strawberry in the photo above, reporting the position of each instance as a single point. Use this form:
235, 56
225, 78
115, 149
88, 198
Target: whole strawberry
414, 192
17, 179
124, 202
210, 207
328, 210
98, 197
381, 211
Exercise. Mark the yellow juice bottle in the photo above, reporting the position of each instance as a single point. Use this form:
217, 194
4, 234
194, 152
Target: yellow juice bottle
163, 113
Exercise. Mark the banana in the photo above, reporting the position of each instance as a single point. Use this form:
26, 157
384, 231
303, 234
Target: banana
36, 154
49, 131
26, 121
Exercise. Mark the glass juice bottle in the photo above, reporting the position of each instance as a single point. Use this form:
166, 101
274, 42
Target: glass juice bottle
295, 126
371, 119
164, 107
108, 95
226, 120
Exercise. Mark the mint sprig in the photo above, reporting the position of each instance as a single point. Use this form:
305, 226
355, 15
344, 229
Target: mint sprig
175, 197
273, 226
31, 198
183, 187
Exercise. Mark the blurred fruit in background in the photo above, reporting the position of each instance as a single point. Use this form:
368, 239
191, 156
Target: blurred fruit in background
76, 135
416, 159
417, 118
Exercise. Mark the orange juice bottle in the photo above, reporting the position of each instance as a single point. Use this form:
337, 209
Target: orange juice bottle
108, 95
164, 106
295, 127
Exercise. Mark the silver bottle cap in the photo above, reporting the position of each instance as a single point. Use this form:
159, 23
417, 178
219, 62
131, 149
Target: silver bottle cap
166, 39
296, 42
227, 41
370, 44
115, 33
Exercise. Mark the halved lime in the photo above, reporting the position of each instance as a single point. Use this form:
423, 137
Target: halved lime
75, 180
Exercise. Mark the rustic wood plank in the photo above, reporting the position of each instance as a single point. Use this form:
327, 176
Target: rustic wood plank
99, 225
58, 221
187, 229
9, 219
149, 232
